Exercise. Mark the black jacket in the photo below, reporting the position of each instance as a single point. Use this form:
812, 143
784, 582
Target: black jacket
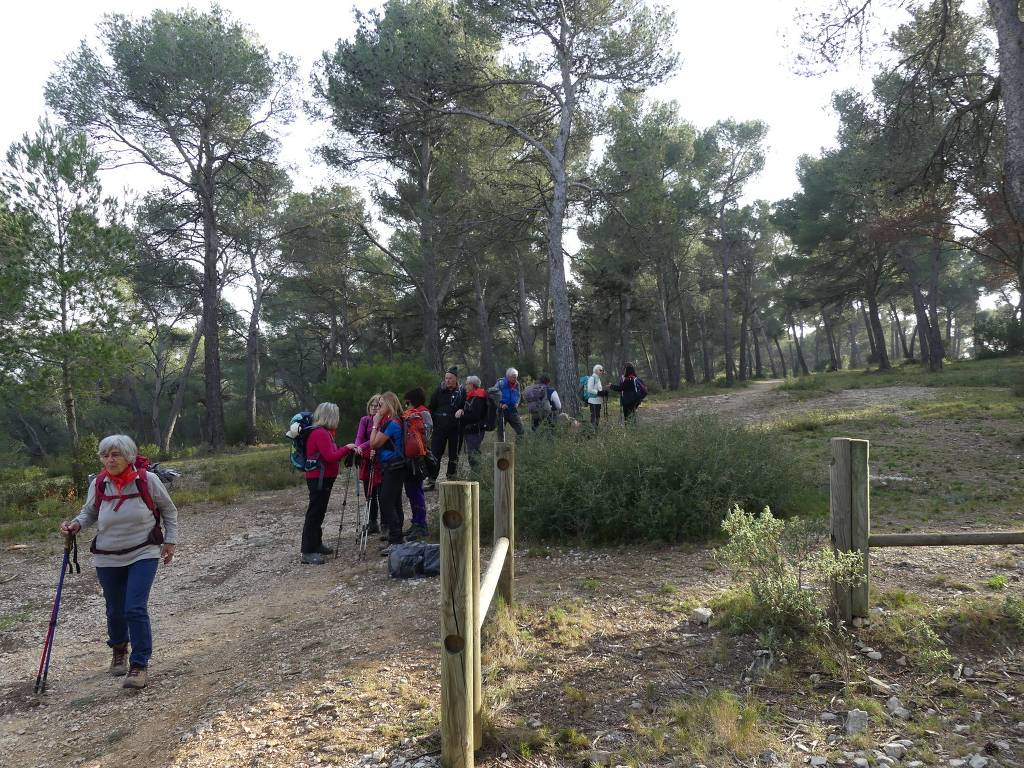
475, 413
443, 405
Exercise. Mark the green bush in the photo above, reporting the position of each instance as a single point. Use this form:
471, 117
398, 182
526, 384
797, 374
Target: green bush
672, 482
998, 332
350, 388
786, 571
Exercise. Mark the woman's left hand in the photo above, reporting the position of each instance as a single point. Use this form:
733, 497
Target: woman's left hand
167, 553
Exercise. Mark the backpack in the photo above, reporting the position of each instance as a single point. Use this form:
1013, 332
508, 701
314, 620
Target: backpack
298, 432
414, 559
414, 434
142, 465
538, 402
584, 383
491, 411
638, 393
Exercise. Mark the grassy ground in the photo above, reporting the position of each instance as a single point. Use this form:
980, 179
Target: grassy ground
32, 505
994, 372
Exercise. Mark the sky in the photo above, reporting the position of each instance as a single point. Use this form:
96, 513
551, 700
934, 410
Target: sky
736, 62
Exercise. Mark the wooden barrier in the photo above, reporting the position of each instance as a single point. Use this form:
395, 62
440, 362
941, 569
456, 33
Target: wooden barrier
850, 513
465, 601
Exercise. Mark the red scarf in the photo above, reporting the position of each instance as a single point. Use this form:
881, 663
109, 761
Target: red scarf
127, 475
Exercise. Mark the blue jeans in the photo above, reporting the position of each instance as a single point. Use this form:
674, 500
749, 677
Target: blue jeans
126, 591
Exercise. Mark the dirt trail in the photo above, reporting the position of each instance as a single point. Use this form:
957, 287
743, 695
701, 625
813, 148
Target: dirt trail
259, 661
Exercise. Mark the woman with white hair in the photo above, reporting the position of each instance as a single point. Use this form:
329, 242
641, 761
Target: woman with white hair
320, 446
509, 404
595, 394
473, 419
137, 525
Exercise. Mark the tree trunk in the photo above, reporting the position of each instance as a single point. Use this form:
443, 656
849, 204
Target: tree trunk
566, 356
799, 348
782, 358
936, 349
684, 341
873, 351
1006, 15
854, 351
483, 327
727, 317
252, 353
830, 342
71, 420
523, 331
431, 298
899, 329
211, 336
663, 327
702, 332
758, 364
179, 394
37, 446
875, 327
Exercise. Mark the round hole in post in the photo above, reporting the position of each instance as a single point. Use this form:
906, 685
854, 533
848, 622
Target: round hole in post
452, 519
502, 464
454, 644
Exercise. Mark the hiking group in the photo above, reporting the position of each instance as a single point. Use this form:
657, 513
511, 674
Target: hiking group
396, 449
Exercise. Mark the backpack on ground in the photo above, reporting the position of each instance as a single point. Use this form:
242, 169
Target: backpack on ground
298, 432
538, 401
414, 434
414, 559
584, 386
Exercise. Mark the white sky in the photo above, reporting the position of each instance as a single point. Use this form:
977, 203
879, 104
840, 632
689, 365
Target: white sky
735, 63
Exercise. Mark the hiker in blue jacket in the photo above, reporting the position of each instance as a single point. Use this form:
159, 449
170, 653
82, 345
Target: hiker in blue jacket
508, 407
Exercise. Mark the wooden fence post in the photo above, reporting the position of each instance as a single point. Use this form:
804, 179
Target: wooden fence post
457, 625
505, 514
849, 505
478, 731
860, 482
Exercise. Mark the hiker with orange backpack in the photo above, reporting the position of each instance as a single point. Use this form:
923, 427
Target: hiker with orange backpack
137, 526
417, 426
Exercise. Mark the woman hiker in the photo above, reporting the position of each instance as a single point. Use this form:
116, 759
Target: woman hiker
320, 445
386, 440
595, 394
416, 402
137, 526
370, 474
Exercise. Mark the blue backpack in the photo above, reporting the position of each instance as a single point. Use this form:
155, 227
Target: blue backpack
584, 381
298, 432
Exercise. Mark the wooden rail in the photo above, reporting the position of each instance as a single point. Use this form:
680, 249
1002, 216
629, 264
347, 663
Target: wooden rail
850, 513
465, 601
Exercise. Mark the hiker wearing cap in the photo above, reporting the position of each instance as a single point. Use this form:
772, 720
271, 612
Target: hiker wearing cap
445, 403
508, 406
320, 446
596, 394
370, 474
473, 419
137, 526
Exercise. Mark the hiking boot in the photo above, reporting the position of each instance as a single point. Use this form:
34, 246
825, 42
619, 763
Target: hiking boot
325, 550
429, 485
416, 532
312, 558
136, 677
119, 659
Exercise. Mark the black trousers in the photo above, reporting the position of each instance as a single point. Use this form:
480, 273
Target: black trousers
446, 438
312, 529
595, 414
392, 516
473, 441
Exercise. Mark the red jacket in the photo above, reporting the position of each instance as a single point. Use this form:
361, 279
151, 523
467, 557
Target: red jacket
320, 446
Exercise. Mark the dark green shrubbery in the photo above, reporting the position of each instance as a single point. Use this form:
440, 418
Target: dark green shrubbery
350, 388
998, 332
672, 483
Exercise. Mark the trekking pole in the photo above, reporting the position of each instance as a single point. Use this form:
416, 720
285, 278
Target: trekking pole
44, 659
344, 503
365, 527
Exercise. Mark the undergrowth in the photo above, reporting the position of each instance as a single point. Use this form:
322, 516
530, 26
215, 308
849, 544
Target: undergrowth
995, 372
672, 482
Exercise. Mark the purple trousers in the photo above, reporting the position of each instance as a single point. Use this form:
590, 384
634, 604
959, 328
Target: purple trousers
417, 501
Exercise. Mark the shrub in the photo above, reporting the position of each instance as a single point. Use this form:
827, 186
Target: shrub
788, 572
672, 482
350, 388
998, 331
